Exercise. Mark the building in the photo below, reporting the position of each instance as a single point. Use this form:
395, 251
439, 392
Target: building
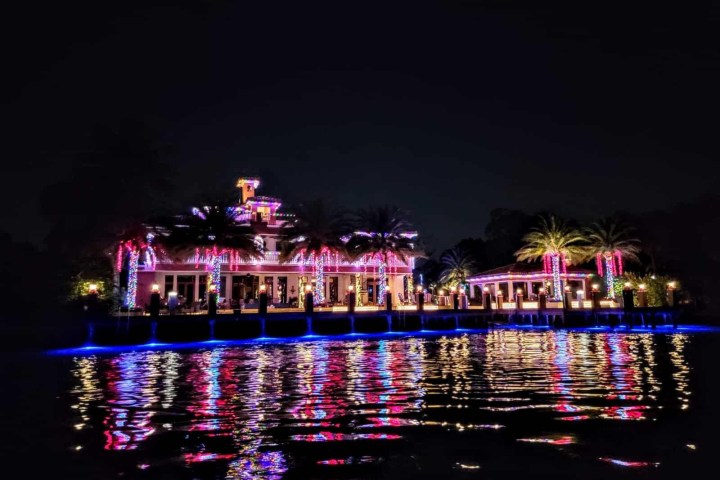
240, 279
528, 278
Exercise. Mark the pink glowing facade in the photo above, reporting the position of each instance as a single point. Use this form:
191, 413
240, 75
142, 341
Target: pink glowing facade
239, 279
529, 279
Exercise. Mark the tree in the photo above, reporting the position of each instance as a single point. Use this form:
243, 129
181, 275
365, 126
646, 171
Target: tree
211, 234
458, 265
315, 232
557, 243
383, 233
503, 235
121, 179
609, 240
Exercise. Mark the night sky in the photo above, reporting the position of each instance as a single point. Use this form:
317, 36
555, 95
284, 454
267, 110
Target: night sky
448, 109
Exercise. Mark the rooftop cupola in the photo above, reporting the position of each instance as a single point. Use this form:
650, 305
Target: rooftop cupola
247, 186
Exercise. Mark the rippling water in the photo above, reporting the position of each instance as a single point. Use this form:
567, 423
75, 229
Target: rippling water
471, 406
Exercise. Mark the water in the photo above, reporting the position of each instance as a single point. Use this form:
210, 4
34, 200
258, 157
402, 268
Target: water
498, 405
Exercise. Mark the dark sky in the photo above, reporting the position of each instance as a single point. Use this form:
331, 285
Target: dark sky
448, 109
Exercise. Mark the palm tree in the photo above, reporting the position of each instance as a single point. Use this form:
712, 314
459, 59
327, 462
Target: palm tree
610, 241
383, 233
314, 233
136, 245
458, 265
211, 234
556, 243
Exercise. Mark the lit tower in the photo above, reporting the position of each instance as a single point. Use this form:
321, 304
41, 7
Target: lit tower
247, 186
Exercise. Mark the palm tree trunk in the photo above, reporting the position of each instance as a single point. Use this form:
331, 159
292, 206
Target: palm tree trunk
131, 296
319, 296
557, 284
382, 271
609, 276
215, 264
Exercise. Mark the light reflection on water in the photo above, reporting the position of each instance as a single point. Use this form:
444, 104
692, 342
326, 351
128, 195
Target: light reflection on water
260, 411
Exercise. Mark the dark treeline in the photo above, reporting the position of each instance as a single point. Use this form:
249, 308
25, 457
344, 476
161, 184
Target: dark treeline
124, 179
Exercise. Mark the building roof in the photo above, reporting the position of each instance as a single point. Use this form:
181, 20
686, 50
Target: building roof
522, 270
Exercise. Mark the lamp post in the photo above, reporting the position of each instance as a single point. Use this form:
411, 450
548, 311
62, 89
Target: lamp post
542, 299
642, 296
487, 301
595, 296
455, 298
421, 299
627, 295
263, 300
308, 299
388, 299
464, 302
519, 298
155, 301
567, 297
351, 299
212, 300
499, 299
672, 294
91, 299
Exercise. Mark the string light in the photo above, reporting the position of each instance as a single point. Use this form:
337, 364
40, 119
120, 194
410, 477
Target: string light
383, 283
610, 276
358, 287
319, 296
130, 298
557, 286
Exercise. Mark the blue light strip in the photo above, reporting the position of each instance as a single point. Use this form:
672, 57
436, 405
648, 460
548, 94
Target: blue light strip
93, 349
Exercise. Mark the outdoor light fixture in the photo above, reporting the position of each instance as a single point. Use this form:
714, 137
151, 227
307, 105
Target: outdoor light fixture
419, 288
671, 285
453, 289
308, 288
441, 292
628, 285
486, 289
350, 288
567, 288
519, 291
155, 287
92, 288
387, 288
541, 290
172, 294
641, 286
595, 287
212, 288
263, 288
580, 292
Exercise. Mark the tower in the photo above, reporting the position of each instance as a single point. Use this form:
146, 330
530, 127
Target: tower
247, 186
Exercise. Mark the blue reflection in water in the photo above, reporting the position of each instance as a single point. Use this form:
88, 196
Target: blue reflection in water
253, 411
